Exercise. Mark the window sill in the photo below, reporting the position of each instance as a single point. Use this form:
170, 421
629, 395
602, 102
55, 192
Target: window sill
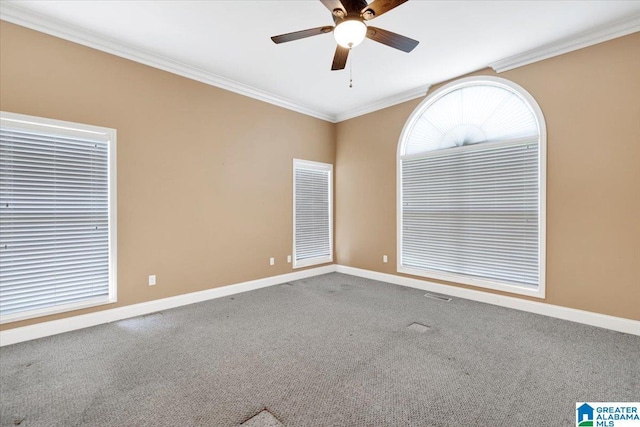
94, 302
312, 261
535, 292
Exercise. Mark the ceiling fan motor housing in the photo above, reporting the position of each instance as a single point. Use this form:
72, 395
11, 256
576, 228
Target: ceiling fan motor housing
353, 8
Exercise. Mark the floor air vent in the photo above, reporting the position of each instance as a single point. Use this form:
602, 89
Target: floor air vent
438, 297
263, 419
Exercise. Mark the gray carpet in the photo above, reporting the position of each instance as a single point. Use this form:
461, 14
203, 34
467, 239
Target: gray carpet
333, 350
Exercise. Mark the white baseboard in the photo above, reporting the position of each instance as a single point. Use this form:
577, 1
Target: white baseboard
586, 317
44, 329
54, 327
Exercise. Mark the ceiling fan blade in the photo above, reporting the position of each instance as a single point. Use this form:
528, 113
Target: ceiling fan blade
394, 40
379, 7
333, 5
283, 38
340, 58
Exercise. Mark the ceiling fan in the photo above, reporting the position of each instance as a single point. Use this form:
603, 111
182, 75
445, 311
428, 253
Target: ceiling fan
350, 29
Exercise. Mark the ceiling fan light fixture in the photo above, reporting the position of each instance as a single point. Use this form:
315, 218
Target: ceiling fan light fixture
350, 33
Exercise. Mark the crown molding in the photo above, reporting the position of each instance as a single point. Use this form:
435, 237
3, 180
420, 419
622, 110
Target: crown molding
11, 13
19, 16
596, 35
384, 103
16, 15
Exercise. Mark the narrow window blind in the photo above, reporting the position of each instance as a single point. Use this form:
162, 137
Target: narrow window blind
312, 213
474, 212
54, 218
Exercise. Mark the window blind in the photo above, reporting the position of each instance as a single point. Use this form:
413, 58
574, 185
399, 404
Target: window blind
473, 211
313, 212
54, 218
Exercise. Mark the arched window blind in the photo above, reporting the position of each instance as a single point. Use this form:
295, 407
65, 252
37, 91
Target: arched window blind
471, 187
56, 216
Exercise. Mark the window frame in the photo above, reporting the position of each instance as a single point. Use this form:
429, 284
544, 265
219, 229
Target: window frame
496, 285
61, 127
328, 167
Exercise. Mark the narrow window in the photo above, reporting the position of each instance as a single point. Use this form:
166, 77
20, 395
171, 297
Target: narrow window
57, 216
471, 171
312, 213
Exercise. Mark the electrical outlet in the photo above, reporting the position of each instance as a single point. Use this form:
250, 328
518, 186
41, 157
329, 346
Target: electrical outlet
289, 259
272, 261
385, 259
152, 280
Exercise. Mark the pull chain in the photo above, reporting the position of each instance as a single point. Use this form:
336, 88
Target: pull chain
350, 68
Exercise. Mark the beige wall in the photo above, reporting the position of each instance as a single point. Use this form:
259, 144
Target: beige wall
591, 102
204, 175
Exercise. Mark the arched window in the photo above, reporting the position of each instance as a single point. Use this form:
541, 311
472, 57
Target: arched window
471, 187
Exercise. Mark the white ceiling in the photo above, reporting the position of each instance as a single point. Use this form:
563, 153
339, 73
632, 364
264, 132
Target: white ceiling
229, 41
